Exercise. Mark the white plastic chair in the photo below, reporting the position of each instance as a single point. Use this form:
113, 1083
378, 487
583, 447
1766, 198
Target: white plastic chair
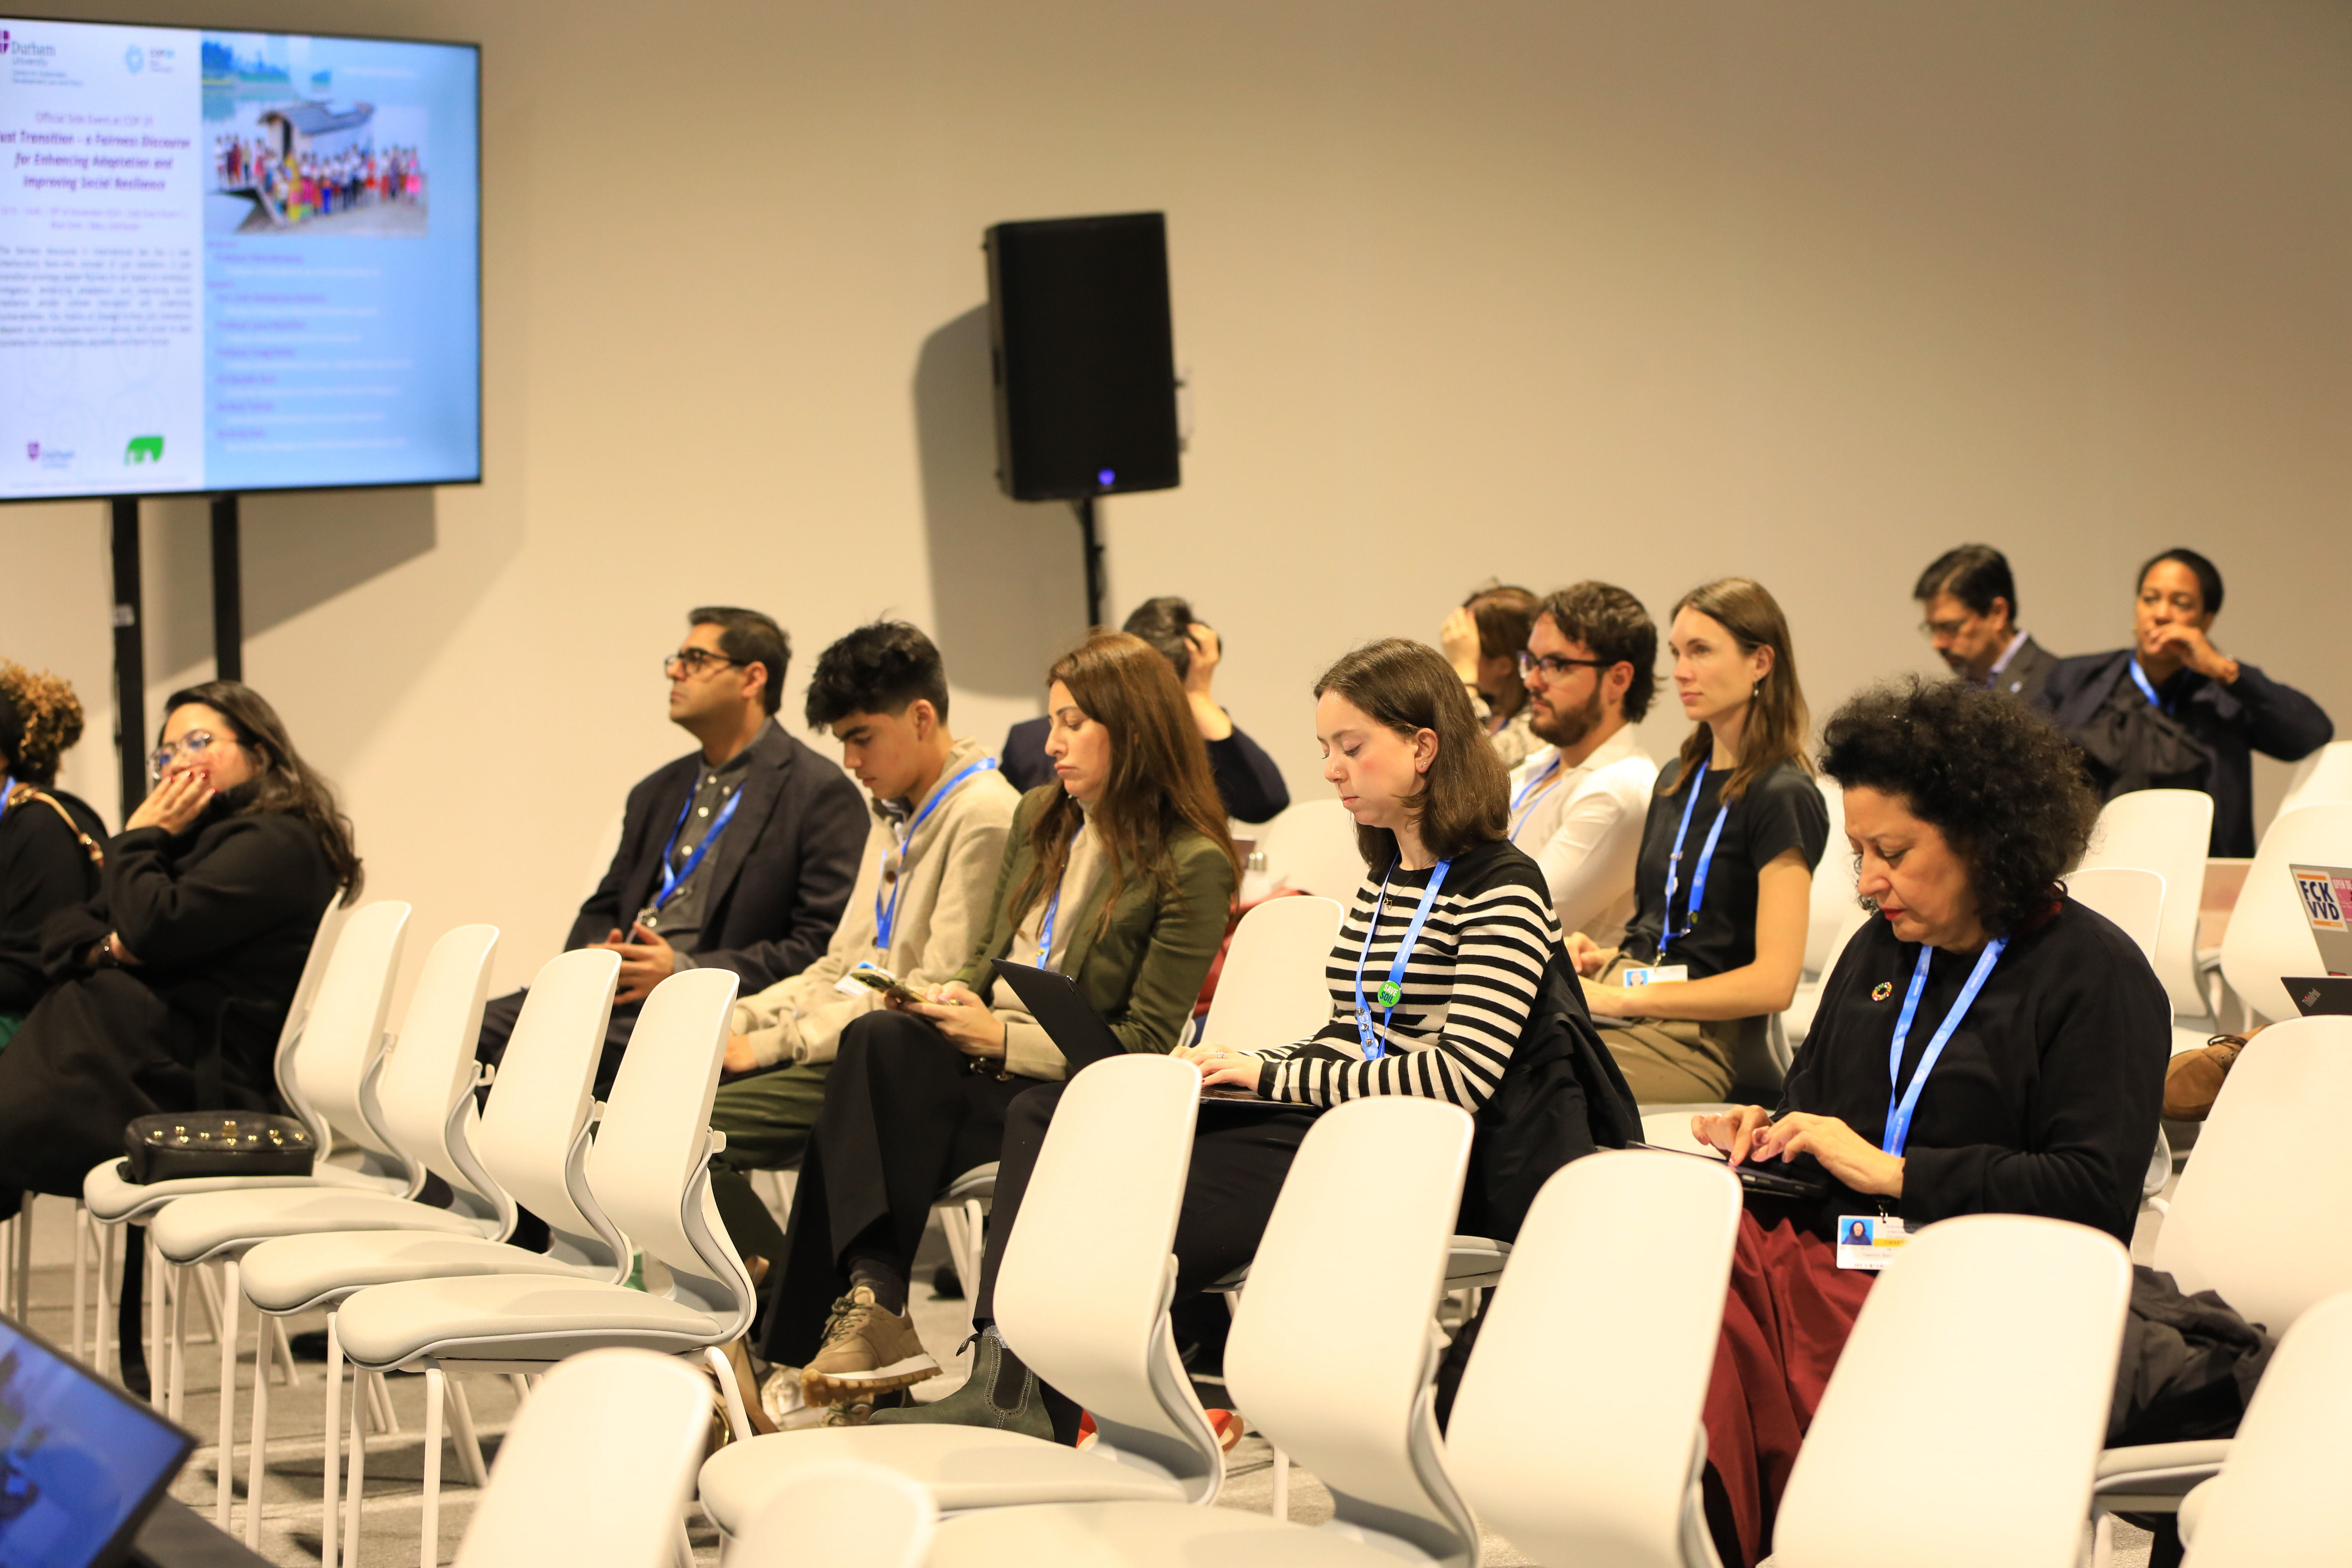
842, 1512
2269, 934
2132, 897
1271, 991
1331, 1355
2228, 1229
2166, 831
2323, 778
597, 1469
328, 1072
2271, 1505
649, 1171
1971, 1394
1083, 1300
426, 1083
1630, 1251
1796, 1022
95, 1238
1833, 896
1312, 847
532, 1142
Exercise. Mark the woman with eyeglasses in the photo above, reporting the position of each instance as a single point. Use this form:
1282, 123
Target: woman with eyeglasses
178, 973
1723, 887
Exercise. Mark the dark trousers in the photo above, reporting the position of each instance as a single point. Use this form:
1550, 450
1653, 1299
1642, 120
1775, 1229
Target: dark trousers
904, 1115
498, 1015
1240, 1158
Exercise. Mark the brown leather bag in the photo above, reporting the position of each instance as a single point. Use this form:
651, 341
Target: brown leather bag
23, 793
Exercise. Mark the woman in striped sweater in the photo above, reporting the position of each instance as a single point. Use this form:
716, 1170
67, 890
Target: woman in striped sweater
1433, 982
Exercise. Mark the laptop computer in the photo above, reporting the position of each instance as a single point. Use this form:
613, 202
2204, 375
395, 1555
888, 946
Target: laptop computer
1084, 1040
2326, 892
1771, 1183
81, 1464
2320, 996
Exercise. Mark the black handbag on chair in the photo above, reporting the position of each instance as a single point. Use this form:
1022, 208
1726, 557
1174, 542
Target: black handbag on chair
178, 1146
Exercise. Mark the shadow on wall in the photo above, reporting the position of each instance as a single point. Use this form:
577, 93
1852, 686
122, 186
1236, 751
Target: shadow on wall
1008, 585
298, 551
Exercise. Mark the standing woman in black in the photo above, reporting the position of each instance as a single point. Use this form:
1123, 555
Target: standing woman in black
50, 841
181, 970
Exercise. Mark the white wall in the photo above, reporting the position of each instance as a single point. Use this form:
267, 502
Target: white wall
1649, 291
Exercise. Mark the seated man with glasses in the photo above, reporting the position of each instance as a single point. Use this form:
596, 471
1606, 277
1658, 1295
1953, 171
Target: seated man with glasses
1578, 804
1969, 601
739, 855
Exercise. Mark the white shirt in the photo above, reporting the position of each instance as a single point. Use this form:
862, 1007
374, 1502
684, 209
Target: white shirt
1583, 826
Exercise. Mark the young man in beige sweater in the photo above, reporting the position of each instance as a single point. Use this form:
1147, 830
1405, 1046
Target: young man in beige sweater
941, 810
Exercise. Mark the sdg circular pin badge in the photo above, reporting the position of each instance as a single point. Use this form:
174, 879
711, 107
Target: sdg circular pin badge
1389, 994
1882, 991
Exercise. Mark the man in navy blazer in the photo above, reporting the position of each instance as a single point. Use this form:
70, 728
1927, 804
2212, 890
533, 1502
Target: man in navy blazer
739, 856
2174, 710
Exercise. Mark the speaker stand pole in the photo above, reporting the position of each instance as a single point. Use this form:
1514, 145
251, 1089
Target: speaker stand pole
229, 594
1092, 540
130, 658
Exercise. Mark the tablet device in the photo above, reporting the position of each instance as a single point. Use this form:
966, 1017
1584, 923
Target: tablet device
2325, 894
81, 1464
2320, 996
1771, 1183
1082, 1036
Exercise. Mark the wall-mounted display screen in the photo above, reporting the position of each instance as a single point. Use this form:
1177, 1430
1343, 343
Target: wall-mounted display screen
236, 262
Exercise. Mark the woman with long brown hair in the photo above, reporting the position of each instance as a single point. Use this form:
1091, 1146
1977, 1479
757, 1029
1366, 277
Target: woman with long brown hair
1120, 875
170, 987
1723, 887
1446, 974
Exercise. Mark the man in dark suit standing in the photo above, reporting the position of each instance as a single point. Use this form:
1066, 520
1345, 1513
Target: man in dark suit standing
739, 856
1968, 602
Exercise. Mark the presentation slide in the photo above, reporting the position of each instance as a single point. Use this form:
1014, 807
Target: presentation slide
236, 261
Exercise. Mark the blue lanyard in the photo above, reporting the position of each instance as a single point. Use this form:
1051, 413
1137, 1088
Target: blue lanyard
885, 919
1667, 932
7, 788
1391, 990
674, 878
1054, 906
1898, 1112
1530, 790
2139, 678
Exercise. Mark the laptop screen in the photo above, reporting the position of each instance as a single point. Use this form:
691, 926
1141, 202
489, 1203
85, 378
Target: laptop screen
80, 1465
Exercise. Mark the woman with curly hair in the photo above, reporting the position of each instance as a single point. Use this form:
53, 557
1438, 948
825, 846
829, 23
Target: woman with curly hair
49, 840
2028, 1038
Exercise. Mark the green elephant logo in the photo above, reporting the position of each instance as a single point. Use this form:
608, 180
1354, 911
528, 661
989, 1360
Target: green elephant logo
143, 450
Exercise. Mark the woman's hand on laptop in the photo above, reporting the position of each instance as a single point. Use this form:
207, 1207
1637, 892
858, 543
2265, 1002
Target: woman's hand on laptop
957, 1011
1221, 1065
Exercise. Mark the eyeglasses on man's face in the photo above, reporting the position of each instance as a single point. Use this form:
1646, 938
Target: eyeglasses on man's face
1949, 627
1554, 666
694, 661
192, 744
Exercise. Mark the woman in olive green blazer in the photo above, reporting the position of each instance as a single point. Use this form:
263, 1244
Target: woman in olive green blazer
1122, 876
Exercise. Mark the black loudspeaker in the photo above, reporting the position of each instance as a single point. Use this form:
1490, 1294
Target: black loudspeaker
1084, 355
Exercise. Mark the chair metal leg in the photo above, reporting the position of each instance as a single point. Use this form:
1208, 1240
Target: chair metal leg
521, 1385
285, 1352
109, 1297
154, 1288
2103, 1542
257, 1464
230, 1296
358, 1483
1281, 1509
334, 1458
209, 1289
428, 1543
469, 1447
387, 1419
739, 1420
177, 1402
81, 1273
685, 1546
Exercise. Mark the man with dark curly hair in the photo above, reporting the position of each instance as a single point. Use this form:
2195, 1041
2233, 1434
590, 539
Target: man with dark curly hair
2027, 1034
48, 840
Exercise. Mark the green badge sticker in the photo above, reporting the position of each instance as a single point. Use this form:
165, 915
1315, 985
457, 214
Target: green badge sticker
1391, 994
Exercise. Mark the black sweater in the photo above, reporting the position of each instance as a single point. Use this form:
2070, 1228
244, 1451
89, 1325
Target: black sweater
43, 870
2046, 1098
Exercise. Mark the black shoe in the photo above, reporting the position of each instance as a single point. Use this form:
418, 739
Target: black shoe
311, 1346
947, 1285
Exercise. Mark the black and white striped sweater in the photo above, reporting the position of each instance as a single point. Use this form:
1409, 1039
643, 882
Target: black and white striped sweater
1469, 986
